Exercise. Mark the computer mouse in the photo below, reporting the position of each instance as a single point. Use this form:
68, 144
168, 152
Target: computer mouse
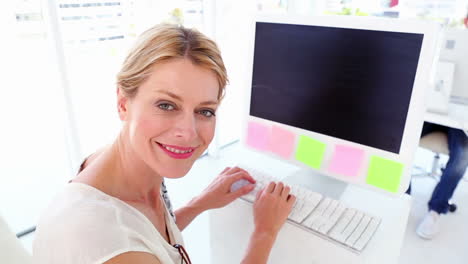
239, 184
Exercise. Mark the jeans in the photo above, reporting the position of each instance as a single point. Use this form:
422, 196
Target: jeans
454, 170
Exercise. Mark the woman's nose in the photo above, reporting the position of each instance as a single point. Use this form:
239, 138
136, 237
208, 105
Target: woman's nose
186, 127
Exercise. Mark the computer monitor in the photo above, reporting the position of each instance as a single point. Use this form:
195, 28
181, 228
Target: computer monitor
454, 49
340, 97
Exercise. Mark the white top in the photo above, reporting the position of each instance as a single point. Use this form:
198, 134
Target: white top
85, 225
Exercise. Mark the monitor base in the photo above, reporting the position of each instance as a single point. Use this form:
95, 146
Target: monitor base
317, 182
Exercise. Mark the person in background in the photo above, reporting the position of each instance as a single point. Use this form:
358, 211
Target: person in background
451, 176
115, 210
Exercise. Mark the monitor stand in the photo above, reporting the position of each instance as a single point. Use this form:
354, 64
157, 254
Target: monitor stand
314, 181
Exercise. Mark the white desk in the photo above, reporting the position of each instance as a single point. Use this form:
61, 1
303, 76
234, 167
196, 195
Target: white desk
230, 227
457, 117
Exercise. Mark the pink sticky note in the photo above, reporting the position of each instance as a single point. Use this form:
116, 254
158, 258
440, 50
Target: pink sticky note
281, 142
346, 160
257, 136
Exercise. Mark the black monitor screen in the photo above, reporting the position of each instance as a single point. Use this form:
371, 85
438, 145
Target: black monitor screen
350, 84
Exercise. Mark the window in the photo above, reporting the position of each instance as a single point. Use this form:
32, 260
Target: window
34, 157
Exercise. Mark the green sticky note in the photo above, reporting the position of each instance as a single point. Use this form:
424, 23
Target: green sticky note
310, 151
384, 173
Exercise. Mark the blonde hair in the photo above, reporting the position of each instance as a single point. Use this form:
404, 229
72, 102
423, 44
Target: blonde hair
165, 42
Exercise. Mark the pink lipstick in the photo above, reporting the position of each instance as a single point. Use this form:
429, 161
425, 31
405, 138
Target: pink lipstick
177, 152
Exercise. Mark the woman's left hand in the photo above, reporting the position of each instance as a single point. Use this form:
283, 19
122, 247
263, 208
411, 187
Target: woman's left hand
218, 194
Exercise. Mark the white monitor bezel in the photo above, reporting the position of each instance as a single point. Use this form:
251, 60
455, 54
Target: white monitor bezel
416, 110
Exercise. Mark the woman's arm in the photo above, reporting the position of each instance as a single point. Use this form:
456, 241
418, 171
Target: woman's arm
259, 249
134, 258
271, 209
185, 215
218, 194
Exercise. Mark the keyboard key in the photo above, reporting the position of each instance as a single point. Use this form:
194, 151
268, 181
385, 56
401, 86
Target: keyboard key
368, 233
325, 215
351, 226
333, 219
358, 231
317, 213
302, 210
314, 198
343, 222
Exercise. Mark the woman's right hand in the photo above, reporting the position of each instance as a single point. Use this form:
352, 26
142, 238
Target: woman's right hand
272, 207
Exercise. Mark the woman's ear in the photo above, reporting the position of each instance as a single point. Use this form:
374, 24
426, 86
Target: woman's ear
122, 103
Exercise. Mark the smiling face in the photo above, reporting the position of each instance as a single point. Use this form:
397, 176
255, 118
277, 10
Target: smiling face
170, 121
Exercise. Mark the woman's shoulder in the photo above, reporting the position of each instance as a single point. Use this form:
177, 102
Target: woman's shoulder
83, 219
76, 198
75, 208
80, 205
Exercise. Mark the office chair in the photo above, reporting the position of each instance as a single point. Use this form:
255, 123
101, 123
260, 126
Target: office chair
437, 143
11, 249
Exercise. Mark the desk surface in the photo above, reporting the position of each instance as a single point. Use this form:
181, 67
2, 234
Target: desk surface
457, 117
230, 227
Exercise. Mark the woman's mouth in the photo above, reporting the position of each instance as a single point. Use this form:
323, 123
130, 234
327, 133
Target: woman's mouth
177, 152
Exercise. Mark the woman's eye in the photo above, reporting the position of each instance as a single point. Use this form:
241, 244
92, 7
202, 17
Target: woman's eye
166, 107
207, 113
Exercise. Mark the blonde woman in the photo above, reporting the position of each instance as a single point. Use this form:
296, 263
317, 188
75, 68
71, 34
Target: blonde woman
169, 89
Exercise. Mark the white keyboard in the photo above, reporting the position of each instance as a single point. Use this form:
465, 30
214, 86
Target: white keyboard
323, 216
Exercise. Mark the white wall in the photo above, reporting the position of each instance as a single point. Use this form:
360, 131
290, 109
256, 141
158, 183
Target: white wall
234, 21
